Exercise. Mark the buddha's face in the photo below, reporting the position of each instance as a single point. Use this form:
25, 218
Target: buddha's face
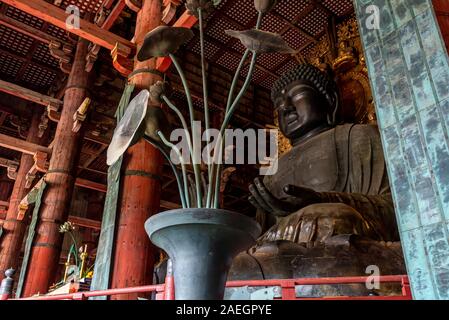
301, 108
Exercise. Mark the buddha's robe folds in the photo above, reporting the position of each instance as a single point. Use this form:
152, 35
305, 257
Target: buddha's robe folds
346, 166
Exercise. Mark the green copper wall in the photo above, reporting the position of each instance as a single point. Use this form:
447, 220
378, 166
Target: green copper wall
409, 74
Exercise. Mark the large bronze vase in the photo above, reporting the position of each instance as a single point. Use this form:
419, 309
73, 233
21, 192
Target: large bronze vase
202, 244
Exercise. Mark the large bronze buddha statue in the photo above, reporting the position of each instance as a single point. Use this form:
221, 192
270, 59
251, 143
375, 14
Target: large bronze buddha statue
328, 210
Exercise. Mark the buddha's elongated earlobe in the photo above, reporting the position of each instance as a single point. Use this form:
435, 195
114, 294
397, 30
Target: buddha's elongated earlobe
332, 117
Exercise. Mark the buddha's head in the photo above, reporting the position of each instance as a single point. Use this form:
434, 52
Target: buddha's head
307, 102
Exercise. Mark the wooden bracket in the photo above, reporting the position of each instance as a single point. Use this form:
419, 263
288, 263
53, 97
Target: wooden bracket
12, 171
134, 5
41, 161
64, 53
40, 165
53, 112
43, 125
91, 57
120, 61
22, 209
29, 180
169, 12
11, 167
80, 115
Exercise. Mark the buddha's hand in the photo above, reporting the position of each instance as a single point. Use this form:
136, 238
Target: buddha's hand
295, 199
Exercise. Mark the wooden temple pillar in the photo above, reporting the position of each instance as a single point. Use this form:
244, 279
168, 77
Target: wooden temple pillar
141, 181
13, 229
60, 180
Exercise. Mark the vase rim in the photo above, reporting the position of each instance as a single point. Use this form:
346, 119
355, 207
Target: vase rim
203, 216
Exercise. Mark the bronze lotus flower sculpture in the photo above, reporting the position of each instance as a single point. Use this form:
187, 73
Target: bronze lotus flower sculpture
262, 41
263, 6
143, 121
163, 41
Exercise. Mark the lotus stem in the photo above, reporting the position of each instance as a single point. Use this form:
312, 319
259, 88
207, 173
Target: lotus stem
228, 106
259, 20
181, 160
217, 174
196, 167
205, 87
183, 122
229, 116
176, 173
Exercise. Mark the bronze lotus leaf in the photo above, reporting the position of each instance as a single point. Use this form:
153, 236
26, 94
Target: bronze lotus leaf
163, 41
130, 129
261, 41
206, 6
264, 5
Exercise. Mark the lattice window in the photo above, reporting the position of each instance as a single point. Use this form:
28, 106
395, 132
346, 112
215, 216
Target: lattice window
286, 67
228, 61
257, 76
268, 82
38, 76
84, 5
15, 41
23, 17
295, 39
42, 55
273, 24
289, 11
9, 66
315, 22
57, 32
340, 8
217, 30
271, 61
307, 50
209, 49
238, 46
242, 11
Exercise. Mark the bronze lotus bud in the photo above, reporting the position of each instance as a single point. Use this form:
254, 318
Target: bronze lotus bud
206, 6
261, 41
157, 90
264, 6
156, 120
163, 41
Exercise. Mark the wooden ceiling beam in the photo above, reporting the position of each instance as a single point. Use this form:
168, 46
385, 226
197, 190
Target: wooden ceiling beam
28, 94
58, 17
21, 145
113, 16
83, 183
31, 32
85, 223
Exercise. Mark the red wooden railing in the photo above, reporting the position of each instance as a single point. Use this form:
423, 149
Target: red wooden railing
166, 291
